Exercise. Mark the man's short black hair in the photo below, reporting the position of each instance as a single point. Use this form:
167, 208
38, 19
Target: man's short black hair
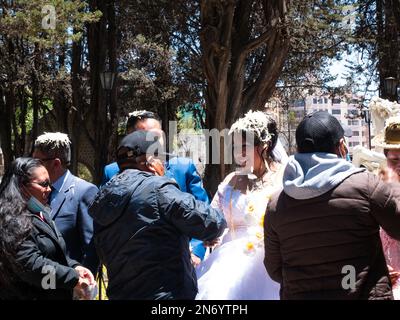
141, 115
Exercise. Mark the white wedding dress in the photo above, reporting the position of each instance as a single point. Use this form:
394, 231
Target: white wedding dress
235, 269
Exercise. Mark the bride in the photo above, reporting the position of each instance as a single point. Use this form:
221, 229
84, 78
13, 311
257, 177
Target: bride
235, 270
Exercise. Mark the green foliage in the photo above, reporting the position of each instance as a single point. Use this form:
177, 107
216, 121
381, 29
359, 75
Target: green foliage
318, 33
84, 172
193, 115
25, 19
292, 117
186, 122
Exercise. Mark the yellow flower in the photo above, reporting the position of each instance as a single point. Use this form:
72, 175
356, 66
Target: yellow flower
261, 222
250, 208
259, 235
250, 246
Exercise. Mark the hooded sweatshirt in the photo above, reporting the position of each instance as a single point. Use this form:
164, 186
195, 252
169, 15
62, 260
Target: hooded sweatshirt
309, 175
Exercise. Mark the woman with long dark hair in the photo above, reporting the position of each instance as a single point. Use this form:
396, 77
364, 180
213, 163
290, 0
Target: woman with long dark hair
33, 260
235, 269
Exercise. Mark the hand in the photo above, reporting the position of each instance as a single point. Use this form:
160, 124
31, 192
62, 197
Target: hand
212, 243
81, 290
86, 288
85, 273
195, 260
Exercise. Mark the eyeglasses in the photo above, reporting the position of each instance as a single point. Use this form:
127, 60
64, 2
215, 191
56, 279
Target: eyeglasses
44, 184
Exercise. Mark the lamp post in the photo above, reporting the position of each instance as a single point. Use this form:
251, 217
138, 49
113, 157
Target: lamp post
363, 114
107, 79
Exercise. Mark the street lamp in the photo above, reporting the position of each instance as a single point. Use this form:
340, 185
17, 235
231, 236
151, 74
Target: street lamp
390, 85
107, 79
364, 114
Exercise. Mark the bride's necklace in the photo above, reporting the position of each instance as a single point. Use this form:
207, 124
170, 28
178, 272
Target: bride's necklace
253, 183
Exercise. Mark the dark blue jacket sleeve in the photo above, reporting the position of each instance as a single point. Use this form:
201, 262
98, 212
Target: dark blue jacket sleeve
195, 219
85, 225
184, 172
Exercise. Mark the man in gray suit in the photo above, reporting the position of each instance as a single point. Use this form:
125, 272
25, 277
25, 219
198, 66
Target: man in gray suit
69, 199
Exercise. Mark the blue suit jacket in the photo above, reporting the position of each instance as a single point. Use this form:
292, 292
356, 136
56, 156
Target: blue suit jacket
184, 172
70, 213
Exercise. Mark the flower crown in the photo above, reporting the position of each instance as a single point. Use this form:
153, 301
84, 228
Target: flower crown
256, 122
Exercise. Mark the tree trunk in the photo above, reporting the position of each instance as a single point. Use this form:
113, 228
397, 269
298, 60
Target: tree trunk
227, 43
101, 122
112, 47
5, 128
78, 104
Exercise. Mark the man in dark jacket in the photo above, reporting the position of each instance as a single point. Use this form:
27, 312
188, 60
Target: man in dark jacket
322, 231
182, 170
143, 224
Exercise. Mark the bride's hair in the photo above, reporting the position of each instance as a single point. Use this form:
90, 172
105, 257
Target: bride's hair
262, 126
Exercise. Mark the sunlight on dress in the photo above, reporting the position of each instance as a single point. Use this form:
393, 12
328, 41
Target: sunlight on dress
235, 269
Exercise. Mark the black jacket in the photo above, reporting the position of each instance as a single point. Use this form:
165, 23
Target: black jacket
43, 251
143, 224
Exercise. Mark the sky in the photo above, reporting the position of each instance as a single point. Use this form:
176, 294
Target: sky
338, 69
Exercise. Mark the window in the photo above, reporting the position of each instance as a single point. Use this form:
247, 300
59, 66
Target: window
356, 143
353, 112
350, 144
314, 100
336, 101
356, 133
352, 122
336, 111
299, 103
320, 101
325, 100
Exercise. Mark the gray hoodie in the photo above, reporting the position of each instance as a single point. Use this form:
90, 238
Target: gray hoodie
309, 175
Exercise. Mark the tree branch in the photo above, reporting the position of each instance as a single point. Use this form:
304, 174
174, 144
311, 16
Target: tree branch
257, 42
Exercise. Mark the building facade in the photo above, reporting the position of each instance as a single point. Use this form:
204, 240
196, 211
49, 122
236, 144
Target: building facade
345, 108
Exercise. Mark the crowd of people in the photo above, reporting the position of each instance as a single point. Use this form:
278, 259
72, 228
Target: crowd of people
308, 226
